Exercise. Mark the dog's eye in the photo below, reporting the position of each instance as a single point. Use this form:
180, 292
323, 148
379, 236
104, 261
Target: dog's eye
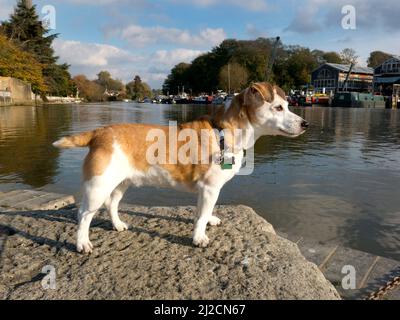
279, 108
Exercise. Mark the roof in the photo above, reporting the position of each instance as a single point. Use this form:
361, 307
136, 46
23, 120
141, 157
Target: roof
387, 79
392, 57
346, 67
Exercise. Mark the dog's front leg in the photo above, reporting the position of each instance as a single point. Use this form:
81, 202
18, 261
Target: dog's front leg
208, 196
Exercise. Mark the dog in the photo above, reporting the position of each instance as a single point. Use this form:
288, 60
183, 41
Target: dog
118, 156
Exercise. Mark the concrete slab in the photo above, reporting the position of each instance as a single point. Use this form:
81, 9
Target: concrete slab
335, 269
34, 200
384, 271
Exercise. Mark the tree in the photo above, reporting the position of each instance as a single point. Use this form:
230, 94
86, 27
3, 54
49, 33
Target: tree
177, 78
332, 57
105, 80
25, 29
90, 90
21, 65
233, 77
137, 89
376, 58
293, 69
326, 57
349, 56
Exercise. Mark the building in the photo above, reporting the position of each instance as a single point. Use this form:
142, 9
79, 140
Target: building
329, 77
14, 91
387, 81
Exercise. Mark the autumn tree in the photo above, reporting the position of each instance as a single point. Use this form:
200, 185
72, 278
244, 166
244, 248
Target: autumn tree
26, 31
21, 65
233, 77
89, 90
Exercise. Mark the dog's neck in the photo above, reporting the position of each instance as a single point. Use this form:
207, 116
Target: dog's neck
234, 118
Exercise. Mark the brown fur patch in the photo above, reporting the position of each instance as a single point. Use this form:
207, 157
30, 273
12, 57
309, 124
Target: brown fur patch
265, 89
280, 92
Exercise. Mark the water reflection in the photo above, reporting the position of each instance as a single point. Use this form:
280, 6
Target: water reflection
339, 182
26, 133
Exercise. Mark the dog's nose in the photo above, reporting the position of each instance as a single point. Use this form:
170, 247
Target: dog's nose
304, 124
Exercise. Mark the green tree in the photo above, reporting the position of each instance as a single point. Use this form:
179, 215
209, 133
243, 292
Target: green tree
25, 29
332, 57
177, 78
137, 89
293, 70
233, 77
326, 57
105, 80
376, 58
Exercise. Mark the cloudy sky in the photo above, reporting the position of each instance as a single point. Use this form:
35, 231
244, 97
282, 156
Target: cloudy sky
148, 37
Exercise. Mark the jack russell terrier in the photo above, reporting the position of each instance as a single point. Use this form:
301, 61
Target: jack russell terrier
146, 155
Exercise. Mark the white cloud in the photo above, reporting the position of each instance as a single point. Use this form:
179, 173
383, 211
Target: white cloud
141, 36
91, 54
251, 5
173, 57
91, 58
106, 2
317, 15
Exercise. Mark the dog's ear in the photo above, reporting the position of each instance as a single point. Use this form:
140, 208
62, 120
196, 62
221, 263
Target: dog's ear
258, 93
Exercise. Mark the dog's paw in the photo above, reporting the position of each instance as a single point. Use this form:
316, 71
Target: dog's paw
214, 221
121, 226
84, 246
201, 240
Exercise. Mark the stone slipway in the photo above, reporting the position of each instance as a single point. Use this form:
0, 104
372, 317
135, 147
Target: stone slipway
154, 259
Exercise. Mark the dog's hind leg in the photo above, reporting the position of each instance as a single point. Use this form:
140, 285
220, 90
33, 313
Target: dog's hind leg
95, 193
112, 206
207, 199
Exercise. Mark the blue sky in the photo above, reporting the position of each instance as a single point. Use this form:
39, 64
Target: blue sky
148, 37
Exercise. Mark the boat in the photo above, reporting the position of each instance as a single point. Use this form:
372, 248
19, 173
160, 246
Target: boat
202, 100
357, 100
300, 100
352, 99
319, 98
219, 100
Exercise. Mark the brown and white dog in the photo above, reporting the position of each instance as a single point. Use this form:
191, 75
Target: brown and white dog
118, 157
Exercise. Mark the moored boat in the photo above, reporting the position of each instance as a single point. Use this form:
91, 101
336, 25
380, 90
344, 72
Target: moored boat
357, 100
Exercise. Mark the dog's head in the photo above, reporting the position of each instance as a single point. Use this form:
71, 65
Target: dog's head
267, 109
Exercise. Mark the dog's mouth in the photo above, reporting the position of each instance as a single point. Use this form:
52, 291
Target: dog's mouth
291, 134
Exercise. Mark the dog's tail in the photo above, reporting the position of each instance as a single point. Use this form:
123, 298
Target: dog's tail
79, 140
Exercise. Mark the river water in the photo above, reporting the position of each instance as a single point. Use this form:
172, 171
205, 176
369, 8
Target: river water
338, 183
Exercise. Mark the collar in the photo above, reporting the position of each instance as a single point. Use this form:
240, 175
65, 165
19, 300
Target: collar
220, 136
